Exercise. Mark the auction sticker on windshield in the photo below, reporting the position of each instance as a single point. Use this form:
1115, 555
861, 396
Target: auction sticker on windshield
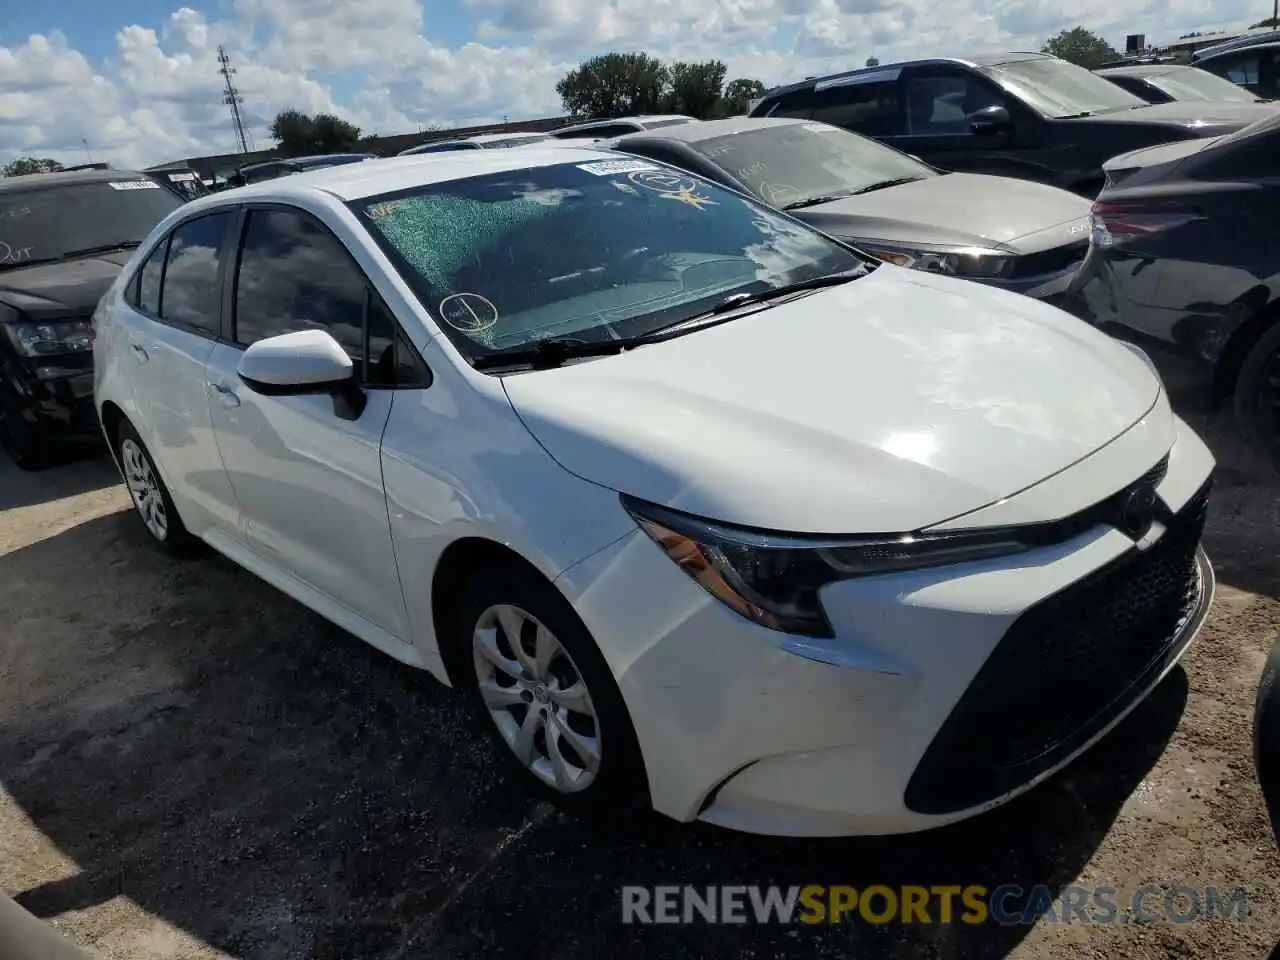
133, 185
605, 168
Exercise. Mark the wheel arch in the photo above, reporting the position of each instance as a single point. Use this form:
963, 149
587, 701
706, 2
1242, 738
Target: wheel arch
1231, 360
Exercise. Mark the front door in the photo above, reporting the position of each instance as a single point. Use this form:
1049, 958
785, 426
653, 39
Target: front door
308, 481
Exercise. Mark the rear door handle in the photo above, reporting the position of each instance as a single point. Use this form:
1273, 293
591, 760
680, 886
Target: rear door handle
139, 353
225, 394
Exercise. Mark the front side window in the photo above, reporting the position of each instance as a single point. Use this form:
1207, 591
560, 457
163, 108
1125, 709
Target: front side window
793, 164
295, 275
190, 294
60, 222
1058, 89
942, 105
1242, 70
602, 250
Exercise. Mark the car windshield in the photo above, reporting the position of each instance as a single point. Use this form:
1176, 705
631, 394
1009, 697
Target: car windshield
49, 223
1192, 83
788, 164
594, 251
1059, 89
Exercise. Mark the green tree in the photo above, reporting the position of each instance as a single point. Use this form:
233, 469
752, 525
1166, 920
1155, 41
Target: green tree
873, 61
1081, 47
615, 85
300, 135
694, 89
26, 165
738, 95
1269, 22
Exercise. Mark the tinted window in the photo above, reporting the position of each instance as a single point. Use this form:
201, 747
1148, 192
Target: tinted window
149, 280
295, 275
1241, 69
600, 132
1134, 85
594, 250
791, 164
870, 108
797, 103
48, 223
1059, 89
941, 105
190, 293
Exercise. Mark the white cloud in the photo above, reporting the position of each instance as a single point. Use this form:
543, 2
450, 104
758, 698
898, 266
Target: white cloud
381, 64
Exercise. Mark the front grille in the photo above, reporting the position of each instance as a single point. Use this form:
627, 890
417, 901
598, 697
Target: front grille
1050, 261
1064, 670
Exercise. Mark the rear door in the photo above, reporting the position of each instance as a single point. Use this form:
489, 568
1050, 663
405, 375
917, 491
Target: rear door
868, 103
176, 314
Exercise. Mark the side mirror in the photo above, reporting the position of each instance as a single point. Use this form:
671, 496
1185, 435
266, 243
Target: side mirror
992, 119
307, 362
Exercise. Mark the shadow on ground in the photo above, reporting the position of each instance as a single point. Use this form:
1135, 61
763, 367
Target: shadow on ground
197, 742
75, 470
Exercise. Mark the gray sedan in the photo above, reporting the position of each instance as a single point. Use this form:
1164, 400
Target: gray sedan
1023, 236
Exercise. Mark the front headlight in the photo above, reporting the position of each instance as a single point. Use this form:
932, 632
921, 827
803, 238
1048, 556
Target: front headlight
975, 264
43, 339
773, 579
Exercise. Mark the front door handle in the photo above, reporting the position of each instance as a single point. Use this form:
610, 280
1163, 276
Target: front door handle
139, 353
225, 394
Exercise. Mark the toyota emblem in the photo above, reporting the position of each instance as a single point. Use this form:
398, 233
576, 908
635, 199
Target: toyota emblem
1138, 511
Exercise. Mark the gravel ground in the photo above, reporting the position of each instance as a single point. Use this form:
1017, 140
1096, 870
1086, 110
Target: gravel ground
194, 766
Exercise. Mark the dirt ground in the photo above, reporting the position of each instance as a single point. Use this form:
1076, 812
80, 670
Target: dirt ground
194, 766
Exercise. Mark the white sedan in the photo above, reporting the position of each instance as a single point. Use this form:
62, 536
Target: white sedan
697, 505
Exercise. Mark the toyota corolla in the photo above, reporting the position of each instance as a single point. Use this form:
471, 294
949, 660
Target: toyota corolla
695, 504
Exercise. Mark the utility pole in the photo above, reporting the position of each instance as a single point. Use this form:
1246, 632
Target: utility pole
86, 150
231, 96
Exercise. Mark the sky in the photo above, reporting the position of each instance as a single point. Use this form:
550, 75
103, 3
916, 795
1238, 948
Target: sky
136, 82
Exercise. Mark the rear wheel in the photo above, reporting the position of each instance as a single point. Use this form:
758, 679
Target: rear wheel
150, 496
1257, 398
545, 692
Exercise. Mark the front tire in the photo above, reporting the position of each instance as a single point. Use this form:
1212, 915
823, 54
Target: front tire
150, 496
1257, 398
20, 439
539, 684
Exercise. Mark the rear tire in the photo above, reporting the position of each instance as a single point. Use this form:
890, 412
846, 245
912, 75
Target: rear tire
1257, 398
540, 686
150, 496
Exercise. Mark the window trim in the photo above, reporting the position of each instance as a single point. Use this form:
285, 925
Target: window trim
228, 328
134, 287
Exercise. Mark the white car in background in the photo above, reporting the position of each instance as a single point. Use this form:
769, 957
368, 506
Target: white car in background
694, 503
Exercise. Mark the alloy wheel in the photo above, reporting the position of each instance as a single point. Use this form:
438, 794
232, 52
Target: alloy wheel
144, 487
538, 698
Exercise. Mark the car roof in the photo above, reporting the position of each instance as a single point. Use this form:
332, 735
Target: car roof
494, 137
355, 181
707, 129
1262, 37
1213, 53
1144, 69
980, 60
34, 181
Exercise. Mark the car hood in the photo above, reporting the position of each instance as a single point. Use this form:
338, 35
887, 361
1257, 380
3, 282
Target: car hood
956, 209
1202, 117
66, 288
887, 404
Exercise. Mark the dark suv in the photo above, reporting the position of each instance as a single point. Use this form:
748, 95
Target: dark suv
63, 239
1252, 63
1026, 115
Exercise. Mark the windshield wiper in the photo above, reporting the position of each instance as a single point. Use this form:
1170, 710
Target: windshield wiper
101, 248
883, 184
33, 262
552, 352
814, 201
1077, 116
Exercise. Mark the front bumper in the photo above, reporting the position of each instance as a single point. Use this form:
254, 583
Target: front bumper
877, 731
55, 396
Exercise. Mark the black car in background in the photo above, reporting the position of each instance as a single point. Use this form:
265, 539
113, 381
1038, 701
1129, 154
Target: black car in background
1185, 262
1166, 82
63, 239
1025, 115
1250, 62
1020, 236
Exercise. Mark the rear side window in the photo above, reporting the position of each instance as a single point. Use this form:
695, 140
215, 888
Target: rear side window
1242, 69
872, 109
797, 103
190, 294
